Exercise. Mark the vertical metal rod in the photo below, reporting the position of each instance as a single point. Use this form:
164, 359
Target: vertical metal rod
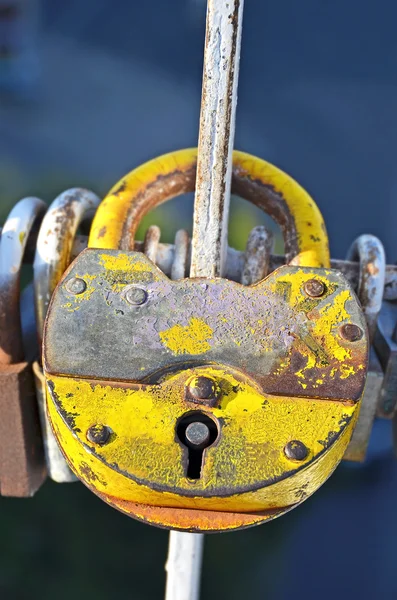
184, 566
211, 211
216, 137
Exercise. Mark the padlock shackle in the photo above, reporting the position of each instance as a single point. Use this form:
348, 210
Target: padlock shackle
20, 223
255, 180
55, 242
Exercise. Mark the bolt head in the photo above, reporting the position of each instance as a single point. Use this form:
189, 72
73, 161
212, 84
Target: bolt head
76, 286
98, 434
197, 434
314, 288
296, 450
135, 296
203, 388
351, 332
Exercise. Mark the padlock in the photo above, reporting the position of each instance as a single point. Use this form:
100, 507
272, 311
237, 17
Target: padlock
22, 465
53, 255
202, 404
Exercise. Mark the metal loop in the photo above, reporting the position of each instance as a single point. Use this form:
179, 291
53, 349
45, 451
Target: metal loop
257, 255
369, 250
53, 254
25, 215
55, 243
257, 181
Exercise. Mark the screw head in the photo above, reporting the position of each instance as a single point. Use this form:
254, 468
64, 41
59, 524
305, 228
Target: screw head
296, 450
351, 332
135, 296
98, 434
314, 288
203, 388
76, 286
197, 434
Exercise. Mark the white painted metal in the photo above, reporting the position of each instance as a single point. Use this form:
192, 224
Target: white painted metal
216, 137
183, 566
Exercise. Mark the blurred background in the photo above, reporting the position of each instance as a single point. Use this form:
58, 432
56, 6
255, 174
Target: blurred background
90, 89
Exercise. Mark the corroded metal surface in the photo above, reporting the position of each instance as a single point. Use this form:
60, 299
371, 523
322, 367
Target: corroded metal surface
290, 343
216, 136
369, 250
255, 180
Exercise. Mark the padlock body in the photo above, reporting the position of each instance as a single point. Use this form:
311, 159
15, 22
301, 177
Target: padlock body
280, 359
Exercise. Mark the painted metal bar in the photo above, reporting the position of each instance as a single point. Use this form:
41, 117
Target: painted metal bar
184, 565
216, 137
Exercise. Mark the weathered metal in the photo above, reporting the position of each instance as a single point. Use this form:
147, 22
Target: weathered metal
22, 466
216, 136
369, 250
53, 254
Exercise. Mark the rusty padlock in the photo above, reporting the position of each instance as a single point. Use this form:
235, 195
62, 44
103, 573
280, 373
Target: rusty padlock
22, 465
201, 404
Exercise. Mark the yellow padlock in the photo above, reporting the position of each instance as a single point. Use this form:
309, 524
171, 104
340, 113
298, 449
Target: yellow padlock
200, 404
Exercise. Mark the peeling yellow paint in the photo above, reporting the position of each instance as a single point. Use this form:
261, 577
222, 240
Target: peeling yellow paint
190, 339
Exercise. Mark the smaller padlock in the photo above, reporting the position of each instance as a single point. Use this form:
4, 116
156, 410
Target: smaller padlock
22, 465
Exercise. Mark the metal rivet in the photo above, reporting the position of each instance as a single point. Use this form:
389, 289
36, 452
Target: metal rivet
76, 286
296, 450
197, 434
351, 332
203, 388
98, 434
135, 296
314, 288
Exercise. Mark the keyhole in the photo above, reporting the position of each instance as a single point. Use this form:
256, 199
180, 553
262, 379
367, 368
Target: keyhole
197, 432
